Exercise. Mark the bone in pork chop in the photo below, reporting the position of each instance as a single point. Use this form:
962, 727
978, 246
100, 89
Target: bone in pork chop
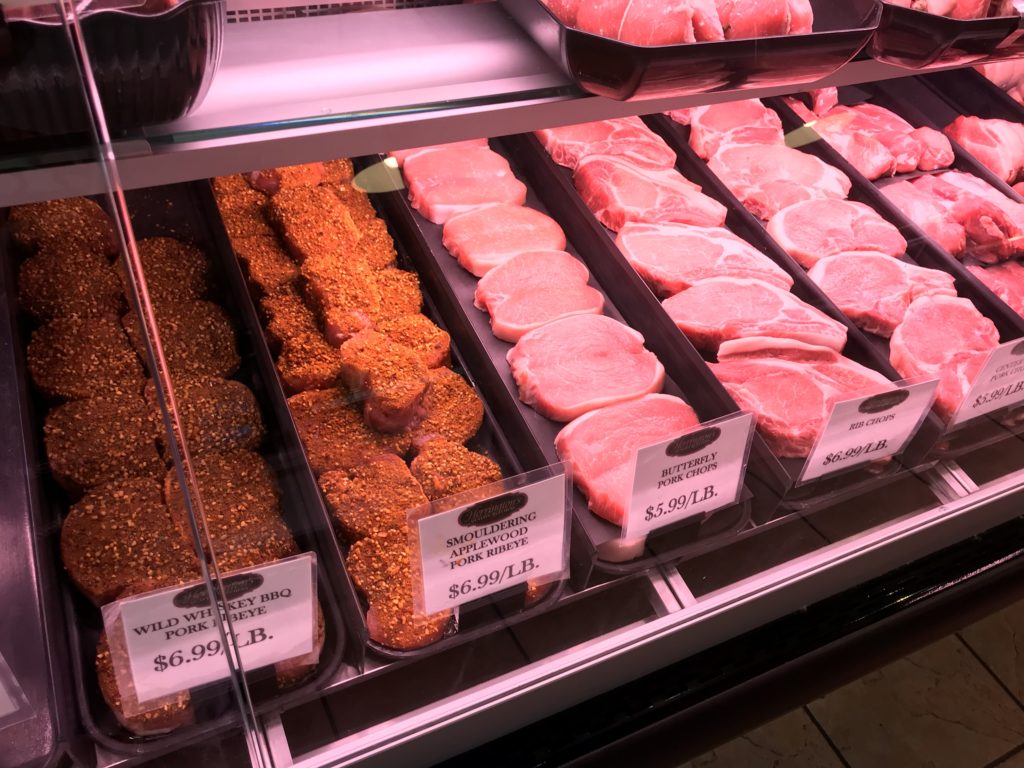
735, 122
724, 308
625, 137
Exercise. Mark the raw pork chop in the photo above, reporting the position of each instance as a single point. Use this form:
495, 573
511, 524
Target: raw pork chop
535, 288
925, 211
764, 18
483, 238
618, 192
401, 155
625, 137
650, 22
734, 122
956, 9
814, 229
579, 363
724, 308
1005, 280
945, 338
564, 10
767, 179
997, 144
875, 290
994, 224
673, 257
791, 387
445, 182
601, 446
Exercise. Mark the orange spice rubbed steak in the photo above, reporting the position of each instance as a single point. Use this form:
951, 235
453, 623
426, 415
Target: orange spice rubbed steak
334, 434
370, 497
121, 534
420, 334
272, 180
308, 362
344, 293
102, 438
267, 263
444, 468
287, 315
68, 282
454, 410
72, 358
392, 378
400, 294
312, 220
173, 270
73, 223
197, 338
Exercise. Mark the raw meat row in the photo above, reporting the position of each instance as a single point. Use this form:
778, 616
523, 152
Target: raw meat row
997, 144
958, 9
878, 142
569, 361
656, 22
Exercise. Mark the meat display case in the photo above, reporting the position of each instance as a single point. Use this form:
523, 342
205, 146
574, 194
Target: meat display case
764, 595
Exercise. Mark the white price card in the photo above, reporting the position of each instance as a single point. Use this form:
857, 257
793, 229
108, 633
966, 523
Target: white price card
170, 637
691, 474
482, 542
999, 384
869, 429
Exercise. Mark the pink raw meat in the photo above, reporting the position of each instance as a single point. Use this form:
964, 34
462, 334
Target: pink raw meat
1019, 188
824, 99
483, 238
734, 122
725, 308
579, 363
532, 289
601, 447
994, 224
640, 22
874, 290
618, 192
927, 212
767, 179
945, 338
868, 155
791, 387
764, 18
813, 229
626, 137
673, 257
1005, 280
401, 155
447, 182
997, 144
564, 10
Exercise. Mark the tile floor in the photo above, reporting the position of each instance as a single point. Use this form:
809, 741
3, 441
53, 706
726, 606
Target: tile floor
958, 703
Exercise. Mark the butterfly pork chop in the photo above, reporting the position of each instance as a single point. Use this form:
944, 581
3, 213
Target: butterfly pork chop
625, 137
445, 182
619, 192
533, 289
674, 257
945, 338
813, 229
791, 387
768, 178
875, 290
484, 238
602, 445
725, 308
579, 363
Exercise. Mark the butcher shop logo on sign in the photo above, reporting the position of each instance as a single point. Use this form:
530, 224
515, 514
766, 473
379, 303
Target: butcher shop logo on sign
1018, 350
884, 401
493, 510
234, 587
698, 441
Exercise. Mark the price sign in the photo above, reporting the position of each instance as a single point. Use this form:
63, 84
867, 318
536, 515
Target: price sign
511, 532
999, 384
170, 637
691, 474
868, 429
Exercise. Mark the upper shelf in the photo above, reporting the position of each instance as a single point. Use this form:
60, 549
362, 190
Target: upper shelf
298, 90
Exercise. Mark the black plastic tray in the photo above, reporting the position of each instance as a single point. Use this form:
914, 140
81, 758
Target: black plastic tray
622, 71
532, 434
34, 642
150, 67
172, 211
916, 39
647, 313
908, 98
476, 618
968, 92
